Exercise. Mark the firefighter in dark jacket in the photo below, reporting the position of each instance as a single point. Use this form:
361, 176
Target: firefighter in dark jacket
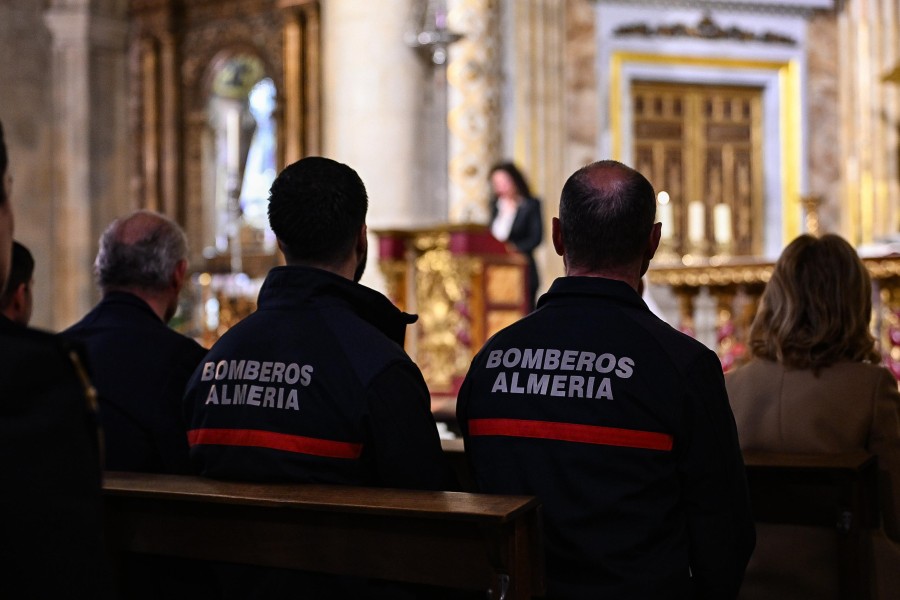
315, 385
617, 422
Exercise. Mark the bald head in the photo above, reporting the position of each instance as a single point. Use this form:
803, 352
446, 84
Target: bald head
606, 215
140, 251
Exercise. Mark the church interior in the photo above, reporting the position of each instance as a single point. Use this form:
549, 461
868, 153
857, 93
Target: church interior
755, 121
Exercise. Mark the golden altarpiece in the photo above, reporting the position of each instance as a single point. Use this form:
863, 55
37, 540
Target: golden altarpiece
701, 146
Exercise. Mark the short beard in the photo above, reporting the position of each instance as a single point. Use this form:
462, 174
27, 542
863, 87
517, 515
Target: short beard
360, 267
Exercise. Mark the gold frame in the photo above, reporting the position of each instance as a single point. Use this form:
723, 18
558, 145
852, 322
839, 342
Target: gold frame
789, 117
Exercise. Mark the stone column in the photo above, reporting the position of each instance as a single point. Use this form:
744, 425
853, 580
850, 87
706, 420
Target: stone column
89, 158
372, 85
538, 88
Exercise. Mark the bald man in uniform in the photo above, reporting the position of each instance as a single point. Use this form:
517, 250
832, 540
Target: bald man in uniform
617, 422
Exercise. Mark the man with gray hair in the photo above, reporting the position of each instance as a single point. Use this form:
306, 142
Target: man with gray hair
139, 365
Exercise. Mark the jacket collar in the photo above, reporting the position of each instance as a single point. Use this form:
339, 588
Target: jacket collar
291, 287
127, 299
564, 288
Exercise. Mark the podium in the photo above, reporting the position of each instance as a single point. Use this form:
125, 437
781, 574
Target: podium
464, 285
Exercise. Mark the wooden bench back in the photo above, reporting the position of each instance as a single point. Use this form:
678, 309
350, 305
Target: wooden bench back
839, 491
452, 539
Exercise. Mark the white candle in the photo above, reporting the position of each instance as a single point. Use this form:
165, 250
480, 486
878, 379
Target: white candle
722, 223
664, 212
696, 222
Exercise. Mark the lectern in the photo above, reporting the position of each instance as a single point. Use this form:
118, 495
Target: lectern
464, 285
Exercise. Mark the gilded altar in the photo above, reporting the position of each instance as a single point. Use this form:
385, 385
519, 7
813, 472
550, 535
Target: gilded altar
736, 285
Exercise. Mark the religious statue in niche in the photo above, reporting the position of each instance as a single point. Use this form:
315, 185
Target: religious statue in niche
243, 160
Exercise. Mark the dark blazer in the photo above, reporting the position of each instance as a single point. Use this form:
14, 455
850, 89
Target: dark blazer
50, 508
140, 367
526, 233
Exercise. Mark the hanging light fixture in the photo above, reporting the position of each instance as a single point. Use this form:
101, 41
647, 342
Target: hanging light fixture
432, 36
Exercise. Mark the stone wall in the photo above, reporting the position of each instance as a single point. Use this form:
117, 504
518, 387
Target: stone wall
25, 109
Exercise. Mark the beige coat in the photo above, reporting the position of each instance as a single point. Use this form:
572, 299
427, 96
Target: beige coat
846, 407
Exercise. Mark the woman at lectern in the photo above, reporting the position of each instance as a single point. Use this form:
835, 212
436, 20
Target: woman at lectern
516, 218
814, 385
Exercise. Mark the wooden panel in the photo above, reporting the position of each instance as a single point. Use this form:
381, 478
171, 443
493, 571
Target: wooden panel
703, 143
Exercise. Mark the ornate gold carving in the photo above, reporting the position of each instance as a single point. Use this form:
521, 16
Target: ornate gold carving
789, 115
505, 284
702, 144
442, 291
473, 79
395, 281
706, 29
498, 319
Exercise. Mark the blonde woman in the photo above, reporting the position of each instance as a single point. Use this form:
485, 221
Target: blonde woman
814, 385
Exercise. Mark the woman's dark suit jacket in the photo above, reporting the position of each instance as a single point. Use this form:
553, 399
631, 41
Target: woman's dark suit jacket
526, 234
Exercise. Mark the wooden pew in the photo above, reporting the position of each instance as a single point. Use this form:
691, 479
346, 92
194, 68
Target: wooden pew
839, 491
452, 539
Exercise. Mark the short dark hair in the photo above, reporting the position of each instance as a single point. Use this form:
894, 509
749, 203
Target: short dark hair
144, 261
4, 164
316, 209
21, 271
605, 222
515, 174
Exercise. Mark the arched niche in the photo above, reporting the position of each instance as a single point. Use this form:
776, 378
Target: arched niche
239, 158
178, 49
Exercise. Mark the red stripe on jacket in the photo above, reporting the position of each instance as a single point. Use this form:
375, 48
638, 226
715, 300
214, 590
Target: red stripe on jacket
275, 441
571, 432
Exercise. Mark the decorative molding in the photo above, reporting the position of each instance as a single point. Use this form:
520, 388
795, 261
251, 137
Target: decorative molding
706, 29
794, 7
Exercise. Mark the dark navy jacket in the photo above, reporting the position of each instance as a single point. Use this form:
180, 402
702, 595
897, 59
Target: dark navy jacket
51, 523
140, 367
621, 426
315, 387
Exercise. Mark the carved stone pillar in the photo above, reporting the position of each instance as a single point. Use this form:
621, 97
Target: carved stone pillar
474, 106
89, 133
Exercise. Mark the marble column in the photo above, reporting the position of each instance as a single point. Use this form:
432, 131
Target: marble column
89, 147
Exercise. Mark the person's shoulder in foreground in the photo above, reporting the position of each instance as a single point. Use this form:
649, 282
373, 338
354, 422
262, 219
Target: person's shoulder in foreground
51, 528
315, 385
617, 422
